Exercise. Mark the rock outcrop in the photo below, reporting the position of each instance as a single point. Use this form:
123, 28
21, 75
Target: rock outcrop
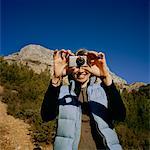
132, 87
36, 57
39, 58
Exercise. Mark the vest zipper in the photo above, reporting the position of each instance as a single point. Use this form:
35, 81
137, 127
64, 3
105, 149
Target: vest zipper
103, 137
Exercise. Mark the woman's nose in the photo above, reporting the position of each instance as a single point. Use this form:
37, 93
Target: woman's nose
81, 69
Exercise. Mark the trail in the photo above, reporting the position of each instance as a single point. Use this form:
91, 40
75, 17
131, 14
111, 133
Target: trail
14, 134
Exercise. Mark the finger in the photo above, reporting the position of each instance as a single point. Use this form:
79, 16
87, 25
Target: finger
87, 68
101, 54
63, 55
93, 53
56, 54
70, 53
102, 58
66, 54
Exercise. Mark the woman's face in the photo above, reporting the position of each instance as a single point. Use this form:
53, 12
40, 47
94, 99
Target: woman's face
80, 74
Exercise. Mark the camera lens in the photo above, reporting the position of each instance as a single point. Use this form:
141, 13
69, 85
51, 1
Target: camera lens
80, 61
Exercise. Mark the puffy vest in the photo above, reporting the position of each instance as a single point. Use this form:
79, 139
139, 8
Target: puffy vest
69, 118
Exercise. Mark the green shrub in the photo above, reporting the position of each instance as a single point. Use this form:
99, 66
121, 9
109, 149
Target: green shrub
136, 128
25, 91
24, 94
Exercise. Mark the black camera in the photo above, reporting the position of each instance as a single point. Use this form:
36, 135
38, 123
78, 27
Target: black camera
77, 61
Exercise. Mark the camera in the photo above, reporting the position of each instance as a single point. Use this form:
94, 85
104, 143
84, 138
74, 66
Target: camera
77, 61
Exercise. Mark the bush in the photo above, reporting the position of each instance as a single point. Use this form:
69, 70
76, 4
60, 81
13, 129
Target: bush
25, 92
134, 132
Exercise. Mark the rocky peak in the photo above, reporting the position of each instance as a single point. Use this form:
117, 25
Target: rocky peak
36, 57
40, 58
36, 53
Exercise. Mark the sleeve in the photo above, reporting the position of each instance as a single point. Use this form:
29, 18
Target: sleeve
49, 108
115, 104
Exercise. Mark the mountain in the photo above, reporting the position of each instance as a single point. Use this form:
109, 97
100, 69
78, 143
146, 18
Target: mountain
40, 58
24, 93
132, 87
36, 57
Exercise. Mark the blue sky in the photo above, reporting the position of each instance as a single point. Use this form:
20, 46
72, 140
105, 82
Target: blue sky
119, 28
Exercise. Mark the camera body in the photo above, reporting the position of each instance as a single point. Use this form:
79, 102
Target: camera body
77, 61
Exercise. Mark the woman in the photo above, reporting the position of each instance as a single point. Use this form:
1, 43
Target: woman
87, 107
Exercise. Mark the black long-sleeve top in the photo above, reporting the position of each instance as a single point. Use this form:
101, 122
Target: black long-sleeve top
49, 109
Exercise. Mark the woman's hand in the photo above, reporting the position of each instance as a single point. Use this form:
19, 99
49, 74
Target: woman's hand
60, 65
98, 67
61, 62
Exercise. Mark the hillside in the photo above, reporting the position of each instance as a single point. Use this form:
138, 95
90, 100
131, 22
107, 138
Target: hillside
40, 58
24, 92
14, 132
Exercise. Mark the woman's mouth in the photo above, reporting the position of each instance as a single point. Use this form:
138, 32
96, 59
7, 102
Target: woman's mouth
81, 76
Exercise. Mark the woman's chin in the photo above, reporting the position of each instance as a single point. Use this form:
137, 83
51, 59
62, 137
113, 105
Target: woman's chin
82, 80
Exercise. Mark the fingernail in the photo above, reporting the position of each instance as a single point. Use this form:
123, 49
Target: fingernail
100, 56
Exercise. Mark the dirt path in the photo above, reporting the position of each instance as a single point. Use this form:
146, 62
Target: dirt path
14, 134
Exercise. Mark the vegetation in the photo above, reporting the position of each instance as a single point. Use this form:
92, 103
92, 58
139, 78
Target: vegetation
134, 133
25, 91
